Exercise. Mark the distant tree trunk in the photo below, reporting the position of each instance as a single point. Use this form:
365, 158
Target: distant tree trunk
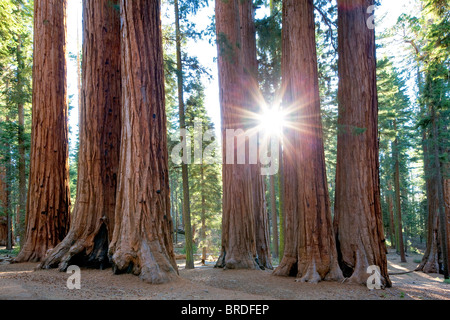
281, 198
398, 205
310, 251
238, 227
273, 210
430, 260
251, 94
48, 200
447, 206
440, 194
392, 232
176, 217
8, 205
98, 161
21, 146
203, 214
189, 237
3, 206
358, 216
142, 238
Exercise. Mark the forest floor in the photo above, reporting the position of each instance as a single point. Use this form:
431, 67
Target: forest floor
21, 281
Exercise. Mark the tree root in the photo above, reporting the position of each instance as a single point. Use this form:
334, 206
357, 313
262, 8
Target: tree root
148, 262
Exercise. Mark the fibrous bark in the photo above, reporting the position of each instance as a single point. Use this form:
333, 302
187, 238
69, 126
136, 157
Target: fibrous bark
238, 227
142, 239
358, 216
98, 160
310, 250
252, 96
273, 209
47, 214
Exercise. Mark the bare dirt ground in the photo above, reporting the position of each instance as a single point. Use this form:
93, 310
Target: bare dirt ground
21, 281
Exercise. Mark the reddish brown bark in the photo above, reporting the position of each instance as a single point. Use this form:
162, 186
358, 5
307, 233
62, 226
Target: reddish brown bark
273, 209
238, 226
142, 239
98, 160
430, 260
358, 216
252, 97
310, 250
47, 215
3, 231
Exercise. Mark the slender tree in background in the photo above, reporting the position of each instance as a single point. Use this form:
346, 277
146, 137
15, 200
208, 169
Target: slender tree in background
310, 251
392, 231
142, 238
3, 207
184, 165
21, 143
8, 167
398, 206
358, 217
273, 211
238, 250
48, 201
441, 196
98, 160
251, 97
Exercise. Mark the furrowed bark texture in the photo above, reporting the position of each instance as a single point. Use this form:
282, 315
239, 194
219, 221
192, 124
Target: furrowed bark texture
358, 217
48, 200
238, 227
98, 161
142, 239
252, 97
310, 250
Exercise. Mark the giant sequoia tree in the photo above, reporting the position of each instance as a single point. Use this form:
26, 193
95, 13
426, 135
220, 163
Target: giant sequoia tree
142, 241
250, 101
238, 227
310, 251
98, 159
47, 214
358, 216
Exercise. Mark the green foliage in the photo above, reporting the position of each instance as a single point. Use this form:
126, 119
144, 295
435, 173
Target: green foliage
15, 90
13, 253
205, 185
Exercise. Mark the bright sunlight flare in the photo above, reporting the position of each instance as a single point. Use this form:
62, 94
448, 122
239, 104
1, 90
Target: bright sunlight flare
271, 121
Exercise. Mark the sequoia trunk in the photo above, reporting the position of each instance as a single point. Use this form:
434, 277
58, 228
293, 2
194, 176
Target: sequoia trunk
273, 211
47, 214
310, 250
142, 239
251, 97
358, 216
238, 226
98, 160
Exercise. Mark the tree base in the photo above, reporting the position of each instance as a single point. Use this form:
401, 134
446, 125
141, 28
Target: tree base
234, 263
148, 262
308, 271
80, 252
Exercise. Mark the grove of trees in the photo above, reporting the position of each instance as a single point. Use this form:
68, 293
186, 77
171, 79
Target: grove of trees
363, 152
